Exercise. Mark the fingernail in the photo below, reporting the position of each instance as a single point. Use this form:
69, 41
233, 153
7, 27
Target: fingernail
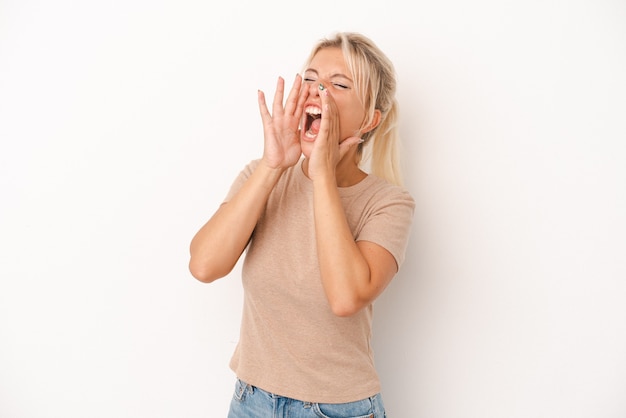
321, 86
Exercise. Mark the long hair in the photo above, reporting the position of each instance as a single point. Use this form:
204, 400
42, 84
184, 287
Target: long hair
375, 83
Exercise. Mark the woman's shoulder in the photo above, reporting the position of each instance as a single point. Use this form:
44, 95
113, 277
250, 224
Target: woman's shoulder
254, 163
381, 189
251, 166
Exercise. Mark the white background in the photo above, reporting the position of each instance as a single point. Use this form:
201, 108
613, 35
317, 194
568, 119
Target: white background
123, 123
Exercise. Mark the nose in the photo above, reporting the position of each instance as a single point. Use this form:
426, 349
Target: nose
314, 89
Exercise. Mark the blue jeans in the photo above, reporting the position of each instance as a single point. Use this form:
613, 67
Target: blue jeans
252, 402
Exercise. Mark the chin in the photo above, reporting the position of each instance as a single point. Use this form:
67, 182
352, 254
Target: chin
307, 146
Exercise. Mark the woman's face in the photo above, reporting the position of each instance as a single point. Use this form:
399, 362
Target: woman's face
329, 68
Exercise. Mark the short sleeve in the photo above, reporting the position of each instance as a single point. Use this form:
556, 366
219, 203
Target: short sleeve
389, 222
241, 179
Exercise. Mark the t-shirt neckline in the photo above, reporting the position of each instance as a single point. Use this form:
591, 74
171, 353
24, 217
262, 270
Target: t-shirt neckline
343, 191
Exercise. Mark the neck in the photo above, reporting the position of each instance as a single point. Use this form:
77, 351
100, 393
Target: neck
347, 172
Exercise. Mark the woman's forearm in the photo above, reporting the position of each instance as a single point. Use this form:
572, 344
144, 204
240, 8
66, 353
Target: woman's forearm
217, 246
344, 269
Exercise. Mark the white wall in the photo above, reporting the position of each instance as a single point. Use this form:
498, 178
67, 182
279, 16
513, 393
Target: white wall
122, 124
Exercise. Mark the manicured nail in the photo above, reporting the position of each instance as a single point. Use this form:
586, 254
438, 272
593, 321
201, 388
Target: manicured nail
321, 87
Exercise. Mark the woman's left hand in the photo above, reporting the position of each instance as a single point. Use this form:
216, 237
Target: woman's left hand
329, 147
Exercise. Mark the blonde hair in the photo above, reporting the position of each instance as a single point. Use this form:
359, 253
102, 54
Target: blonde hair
375, 83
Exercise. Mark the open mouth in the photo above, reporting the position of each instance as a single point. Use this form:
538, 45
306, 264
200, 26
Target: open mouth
313, 121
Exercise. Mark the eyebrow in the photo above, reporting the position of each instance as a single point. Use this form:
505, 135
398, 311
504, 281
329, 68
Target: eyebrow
336, 75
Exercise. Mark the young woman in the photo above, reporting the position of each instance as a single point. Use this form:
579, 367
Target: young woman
323, 238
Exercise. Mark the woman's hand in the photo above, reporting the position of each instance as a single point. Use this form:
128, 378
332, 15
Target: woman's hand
329, 147
281, 128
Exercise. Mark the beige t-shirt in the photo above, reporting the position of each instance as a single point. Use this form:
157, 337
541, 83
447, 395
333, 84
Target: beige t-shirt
291, 344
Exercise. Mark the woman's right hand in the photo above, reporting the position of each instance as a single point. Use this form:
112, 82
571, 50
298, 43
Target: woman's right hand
281, 128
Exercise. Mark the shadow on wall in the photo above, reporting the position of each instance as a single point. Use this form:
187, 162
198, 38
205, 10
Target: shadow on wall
398, 335
400, 319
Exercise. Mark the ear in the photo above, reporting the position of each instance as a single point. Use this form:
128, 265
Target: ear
375, 122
